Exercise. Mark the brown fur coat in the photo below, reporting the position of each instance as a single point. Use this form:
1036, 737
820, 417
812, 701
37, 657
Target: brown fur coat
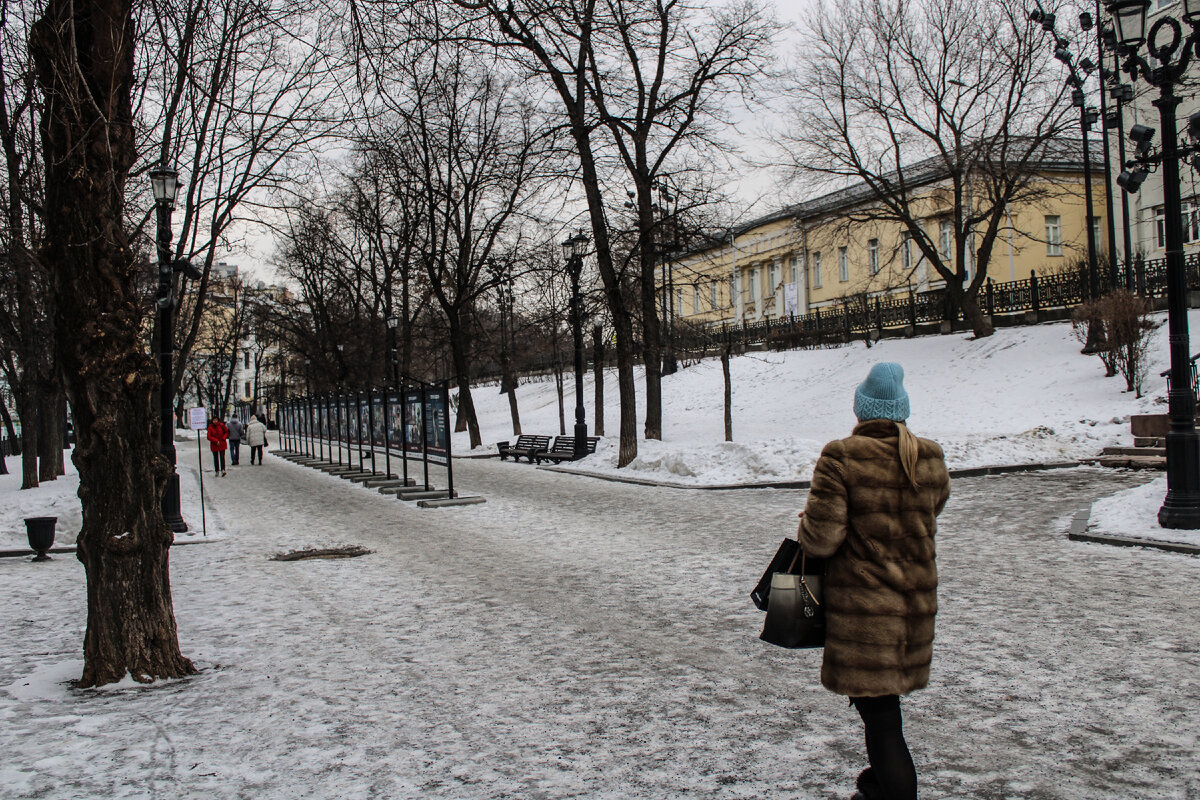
881, 584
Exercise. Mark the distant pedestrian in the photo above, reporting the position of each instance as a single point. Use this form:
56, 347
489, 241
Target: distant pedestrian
218, 438
235, 440
872, 512
256, 438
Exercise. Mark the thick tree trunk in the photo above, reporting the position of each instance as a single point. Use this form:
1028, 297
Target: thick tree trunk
973, 315
598, 378
50, 435
84, 57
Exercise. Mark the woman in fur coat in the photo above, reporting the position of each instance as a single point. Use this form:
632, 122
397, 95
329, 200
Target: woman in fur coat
872, 511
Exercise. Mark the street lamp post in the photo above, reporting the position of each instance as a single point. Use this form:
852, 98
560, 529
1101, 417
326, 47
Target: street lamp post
165, 183
574, 249
393, 322
1181, 507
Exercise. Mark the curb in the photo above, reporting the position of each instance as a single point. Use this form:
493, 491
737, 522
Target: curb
26, 552
970, 472
1078, 533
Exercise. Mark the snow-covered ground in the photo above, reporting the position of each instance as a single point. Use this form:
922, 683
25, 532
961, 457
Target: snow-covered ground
1022, 396
1025, 395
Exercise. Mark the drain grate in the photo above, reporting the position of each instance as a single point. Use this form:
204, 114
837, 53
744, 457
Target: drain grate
328, 552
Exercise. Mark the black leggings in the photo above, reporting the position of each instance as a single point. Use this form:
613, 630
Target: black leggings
218, 460
892, 775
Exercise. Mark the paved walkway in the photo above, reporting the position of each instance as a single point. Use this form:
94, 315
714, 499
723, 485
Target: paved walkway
575, 638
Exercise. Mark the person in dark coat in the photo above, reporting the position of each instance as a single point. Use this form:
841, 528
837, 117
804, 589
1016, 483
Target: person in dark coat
235, 440
872, 512
218, 436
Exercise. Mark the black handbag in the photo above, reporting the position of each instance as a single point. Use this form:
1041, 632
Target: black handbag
784, 557
795, 614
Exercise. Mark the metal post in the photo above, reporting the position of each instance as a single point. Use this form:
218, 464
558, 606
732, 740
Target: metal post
166, 343
1181, 507
580, 446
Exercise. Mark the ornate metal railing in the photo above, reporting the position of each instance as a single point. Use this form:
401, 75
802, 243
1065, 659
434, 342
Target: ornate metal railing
858, 317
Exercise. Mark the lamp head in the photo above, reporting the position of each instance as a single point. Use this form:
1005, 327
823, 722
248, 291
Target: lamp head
1131, 180
1141, 136
393, 322
1077, 98
1085, 20
164, 182
1129, 17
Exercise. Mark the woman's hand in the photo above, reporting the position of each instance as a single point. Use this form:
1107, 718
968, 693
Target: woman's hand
800, 526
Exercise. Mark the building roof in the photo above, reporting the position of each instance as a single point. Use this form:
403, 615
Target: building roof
1058, 155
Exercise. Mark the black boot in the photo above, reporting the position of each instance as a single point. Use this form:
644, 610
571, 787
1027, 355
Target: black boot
868, 787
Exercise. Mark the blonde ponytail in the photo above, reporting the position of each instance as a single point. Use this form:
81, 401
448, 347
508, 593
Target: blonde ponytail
909, 453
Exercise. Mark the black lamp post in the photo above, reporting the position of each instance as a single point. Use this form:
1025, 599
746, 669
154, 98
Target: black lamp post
164, 182
1087, 117
573, 251
393, 322
1181, 508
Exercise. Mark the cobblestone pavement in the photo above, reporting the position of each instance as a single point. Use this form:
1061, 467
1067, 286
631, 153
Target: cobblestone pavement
576, 638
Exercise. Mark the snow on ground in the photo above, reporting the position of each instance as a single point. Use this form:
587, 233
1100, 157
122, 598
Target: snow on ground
60, 498
1134, 513
1024, 395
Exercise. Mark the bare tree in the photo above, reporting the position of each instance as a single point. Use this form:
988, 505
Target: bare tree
943, 110
84, 56
27, 330
250, 95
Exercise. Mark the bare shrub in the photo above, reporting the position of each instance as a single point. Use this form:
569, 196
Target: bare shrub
1125, 328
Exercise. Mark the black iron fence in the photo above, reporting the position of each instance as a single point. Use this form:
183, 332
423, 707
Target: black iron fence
861, 317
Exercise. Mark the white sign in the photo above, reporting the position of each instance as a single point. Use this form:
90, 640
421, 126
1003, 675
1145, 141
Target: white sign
198, 418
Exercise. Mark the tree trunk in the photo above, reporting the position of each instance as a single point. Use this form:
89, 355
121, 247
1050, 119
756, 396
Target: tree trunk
973, 315
651, 348
728, 394
598, 378
27, 405
83, 53
558, 385
462, 372
50, 435
508, 385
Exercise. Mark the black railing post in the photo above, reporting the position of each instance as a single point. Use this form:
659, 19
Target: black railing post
991, 300
1034, 300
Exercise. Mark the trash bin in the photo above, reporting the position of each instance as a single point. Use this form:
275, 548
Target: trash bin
41, 535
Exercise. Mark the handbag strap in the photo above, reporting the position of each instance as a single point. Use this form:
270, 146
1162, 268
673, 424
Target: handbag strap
800, 555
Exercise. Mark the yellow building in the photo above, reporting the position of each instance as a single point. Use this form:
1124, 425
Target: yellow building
820, 252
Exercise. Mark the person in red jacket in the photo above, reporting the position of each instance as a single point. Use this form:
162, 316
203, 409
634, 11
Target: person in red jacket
218, 441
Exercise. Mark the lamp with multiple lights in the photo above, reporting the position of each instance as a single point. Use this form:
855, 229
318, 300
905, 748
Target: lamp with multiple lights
1172, 53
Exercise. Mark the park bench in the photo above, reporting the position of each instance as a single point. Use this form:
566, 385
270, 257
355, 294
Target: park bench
527, 444
564, 449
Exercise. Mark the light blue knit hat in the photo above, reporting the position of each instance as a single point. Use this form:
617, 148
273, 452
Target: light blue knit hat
882, 395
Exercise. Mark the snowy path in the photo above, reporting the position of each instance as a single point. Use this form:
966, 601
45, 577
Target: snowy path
575, 638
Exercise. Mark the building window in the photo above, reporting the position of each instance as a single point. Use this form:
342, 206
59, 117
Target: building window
1053, 235
716, 293
1189, 223
677, 309
944, 234
795, 269
843, 265
752, 289
816, 270
695, 298
246, 359
732, 288
906, 252
873, 255
247, 393
771, 275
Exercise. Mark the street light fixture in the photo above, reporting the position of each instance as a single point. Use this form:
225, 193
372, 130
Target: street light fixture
574, 249
393, 324
164, 183
1181, 507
